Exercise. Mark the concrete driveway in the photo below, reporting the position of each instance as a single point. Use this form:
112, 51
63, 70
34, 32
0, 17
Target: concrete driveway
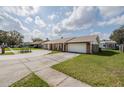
14, 69
26, 55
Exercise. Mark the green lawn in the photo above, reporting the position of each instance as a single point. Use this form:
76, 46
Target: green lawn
102, 69
53, 52
7, 53
30, 81
7, 49
36, 48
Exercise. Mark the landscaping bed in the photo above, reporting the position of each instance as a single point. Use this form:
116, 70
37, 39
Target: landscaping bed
103, 69
30, 81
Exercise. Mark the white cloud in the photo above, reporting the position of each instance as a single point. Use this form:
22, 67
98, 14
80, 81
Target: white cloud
1, 18
8, 23
80, 18
119, 20
101, 35
68, 13
86, 17
56, 29
36, 33
111, 11
39, 22
50, 26
52, 17
52, 34
21, 10
95, 33
11, 23
28, 20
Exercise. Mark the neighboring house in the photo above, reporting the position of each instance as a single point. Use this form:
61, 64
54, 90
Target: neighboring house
83, 44
32, 44
108, 44
37, 44
25, 44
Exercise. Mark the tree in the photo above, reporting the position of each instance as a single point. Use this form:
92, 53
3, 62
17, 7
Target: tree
3, 40
15, 38
10, 37
36, 39
3, 37
118, 35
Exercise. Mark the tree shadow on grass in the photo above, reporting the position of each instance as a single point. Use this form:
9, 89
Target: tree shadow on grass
107, 53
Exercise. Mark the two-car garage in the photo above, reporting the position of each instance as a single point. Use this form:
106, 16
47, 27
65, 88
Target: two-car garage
77, 47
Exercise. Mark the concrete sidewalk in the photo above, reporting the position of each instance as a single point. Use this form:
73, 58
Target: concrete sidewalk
51, 76
14, 70
58, 79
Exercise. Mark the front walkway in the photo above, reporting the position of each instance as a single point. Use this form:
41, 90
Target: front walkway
15, 69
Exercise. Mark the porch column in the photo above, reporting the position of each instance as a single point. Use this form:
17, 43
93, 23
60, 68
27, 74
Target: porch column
88, 47
63, 47
91, 47
48, 46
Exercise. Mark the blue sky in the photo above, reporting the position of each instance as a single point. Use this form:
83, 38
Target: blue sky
67, 21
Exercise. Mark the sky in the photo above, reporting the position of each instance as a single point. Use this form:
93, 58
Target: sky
61, 21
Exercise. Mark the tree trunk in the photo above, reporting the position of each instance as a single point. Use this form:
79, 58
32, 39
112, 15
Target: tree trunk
3, 50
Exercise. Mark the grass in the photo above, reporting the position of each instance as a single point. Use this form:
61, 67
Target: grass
30, 81
7, 49
36, 48
53, 52
103, 69
7, 53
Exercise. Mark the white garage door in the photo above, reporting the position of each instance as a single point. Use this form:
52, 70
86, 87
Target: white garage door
77, 47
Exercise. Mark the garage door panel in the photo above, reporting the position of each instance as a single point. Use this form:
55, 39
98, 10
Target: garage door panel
77, 47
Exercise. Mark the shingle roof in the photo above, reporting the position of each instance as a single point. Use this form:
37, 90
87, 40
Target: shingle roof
74, 39
64, 40
89, 38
